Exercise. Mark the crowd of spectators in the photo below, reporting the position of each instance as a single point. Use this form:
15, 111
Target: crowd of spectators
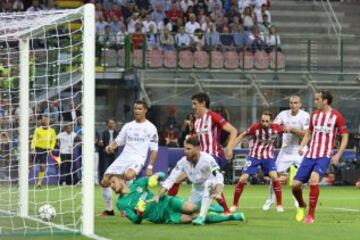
187, 24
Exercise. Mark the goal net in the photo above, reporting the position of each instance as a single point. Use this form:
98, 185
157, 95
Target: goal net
47, 121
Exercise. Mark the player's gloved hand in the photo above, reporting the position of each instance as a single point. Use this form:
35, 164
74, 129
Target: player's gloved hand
140, 207
154, 179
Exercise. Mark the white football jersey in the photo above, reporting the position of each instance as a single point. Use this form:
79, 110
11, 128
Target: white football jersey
197, 174
301, 121
138, 138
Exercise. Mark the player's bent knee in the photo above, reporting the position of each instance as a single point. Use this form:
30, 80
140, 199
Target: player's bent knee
296, 184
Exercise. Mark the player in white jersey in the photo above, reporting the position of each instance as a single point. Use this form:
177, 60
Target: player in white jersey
298, 121
204, 173
137, 137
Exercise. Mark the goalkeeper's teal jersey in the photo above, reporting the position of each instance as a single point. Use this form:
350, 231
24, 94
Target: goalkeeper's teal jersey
154, 212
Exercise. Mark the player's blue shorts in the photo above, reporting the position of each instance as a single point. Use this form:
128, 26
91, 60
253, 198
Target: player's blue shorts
309, 165
267, 165
222, 162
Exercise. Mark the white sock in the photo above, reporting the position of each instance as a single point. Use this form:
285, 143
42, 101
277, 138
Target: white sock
205, 204
272, 196
107, 196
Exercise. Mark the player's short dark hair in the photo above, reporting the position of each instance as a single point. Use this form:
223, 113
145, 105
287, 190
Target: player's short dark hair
110, 119
325, 94
267, 113
193, 140
202, 97
141, 102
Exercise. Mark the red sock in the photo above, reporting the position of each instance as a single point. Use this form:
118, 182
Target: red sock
238, 190
277, 189
174, 189
314, 196
297, 192
223, 203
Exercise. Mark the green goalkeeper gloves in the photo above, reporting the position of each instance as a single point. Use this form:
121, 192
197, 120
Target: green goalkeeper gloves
140, 207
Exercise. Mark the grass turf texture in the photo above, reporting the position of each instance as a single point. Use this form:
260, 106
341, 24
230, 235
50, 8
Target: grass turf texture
338, 217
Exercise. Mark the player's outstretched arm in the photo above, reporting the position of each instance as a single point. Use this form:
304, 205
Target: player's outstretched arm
239, 138
305, 141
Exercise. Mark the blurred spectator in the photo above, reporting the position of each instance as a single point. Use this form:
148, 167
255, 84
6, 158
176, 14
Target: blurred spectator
50, 5
137, 38
128, 9
185, 4
248, 19
158, 14
260, 13
199, 40
152, 39
146, 24
132, 22
101, 24
114, 11
223, 23
35, 6
182, 39
226, 39
107, 39
264, 27
120, 36
116, 24
273, 40
205, 24
99, 11
54, 113
174, 13
217, 15
242, 4
71, 113
241, 38
176, 27
233, 12
191, 25
18, 6
212, 4
259, 3
257, 41
212, 37
171, 136
235, 23
142, 5
186, 128
167, 40
165, 23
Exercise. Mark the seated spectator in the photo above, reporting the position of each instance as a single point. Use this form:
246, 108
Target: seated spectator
185, 4
18, 6
223, 23
120, 37
167, 40
241, 38
212, 4
248, 19
6, 6
233, 12
242, 4
201, 4
235, 23
138, 37
107, 39
132, 22
182, 39
212, 37
179, 23
143, 5
191, 25
147, 22
116, 24
113, 11
158, 14
273, 40
128, 9
174, 13
259, 3
101, 24
198, 40
171, 136
152, 39
165, 23
202, 17
226, 39
99, 11
217, 15
205, 24
260, 13
35, 6
50, 5
264, 26
257, 41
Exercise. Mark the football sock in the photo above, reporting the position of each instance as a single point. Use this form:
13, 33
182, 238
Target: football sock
107, 196
238, 191
297, 192
277, 189
174, 189
222, 202
41, 175
216, 218
314, 196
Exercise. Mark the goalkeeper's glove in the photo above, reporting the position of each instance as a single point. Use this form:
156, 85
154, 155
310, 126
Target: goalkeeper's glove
153, 180
140, 207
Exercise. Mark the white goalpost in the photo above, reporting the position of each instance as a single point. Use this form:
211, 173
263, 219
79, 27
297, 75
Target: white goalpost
47, 71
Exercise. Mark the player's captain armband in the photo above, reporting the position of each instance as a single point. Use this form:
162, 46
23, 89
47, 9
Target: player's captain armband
215, 170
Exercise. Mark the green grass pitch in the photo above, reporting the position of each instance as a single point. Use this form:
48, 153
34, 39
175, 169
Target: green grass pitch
337, 217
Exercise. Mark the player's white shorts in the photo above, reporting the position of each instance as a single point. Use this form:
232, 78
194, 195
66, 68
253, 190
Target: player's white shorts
210, 188
287, 158
119, 167
196, 194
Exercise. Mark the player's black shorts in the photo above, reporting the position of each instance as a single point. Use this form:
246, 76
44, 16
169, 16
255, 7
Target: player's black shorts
41, 156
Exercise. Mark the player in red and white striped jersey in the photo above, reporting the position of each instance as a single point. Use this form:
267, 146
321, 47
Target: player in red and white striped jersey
208, 126
325, 124
263, 136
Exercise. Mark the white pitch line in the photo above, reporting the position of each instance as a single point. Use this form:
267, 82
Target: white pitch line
347, 209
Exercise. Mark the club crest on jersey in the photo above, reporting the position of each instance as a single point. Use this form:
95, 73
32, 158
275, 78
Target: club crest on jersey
139, 189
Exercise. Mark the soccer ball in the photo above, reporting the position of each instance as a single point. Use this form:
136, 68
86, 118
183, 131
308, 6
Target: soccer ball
47, 212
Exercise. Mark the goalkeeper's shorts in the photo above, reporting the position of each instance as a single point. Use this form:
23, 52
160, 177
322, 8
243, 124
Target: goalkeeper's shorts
173, 212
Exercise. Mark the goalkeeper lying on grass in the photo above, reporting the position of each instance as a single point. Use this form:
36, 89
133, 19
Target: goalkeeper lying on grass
136, 203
